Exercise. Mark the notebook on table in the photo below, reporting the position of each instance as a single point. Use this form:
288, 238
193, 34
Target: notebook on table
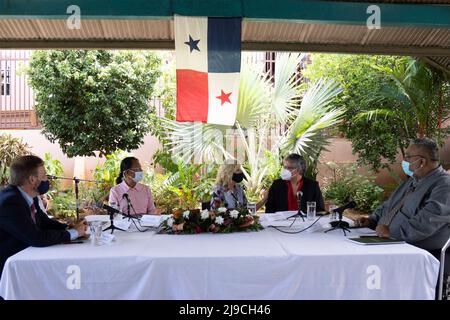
374, 240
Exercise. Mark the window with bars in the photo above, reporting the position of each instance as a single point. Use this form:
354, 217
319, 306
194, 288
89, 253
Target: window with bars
6, 81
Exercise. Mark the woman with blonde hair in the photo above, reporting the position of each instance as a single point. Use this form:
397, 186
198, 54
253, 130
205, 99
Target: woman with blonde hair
228, 192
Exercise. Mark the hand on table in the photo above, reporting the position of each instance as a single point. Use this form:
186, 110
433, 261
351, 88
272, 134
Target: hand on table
382, 231
81, 227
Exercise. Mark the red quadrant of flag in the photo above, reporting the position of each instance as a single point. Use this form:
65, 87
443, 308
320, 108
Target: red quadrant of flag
192, 95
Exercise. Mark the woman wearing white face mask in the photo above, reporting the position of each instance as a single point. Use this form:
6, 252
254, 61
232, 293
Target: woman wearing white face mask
128, 186
283, 192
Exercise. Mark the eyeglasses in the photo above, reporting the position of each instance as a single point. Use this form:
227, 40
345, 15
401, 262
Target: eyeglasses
412, 156
289, 168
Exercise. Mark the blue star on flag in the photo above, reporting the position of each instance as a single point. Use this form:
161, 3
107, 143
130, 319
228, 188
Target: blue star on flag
193, 44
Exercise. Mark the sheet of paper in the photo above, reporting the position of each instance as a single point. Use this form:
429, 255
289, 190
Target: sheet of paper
96, 217
106, 237
122, 224
150, 220
277, 216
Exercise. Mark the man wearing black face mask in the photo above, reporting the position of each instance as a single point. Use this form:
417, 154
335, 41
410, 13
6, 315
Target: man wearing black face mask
22, 222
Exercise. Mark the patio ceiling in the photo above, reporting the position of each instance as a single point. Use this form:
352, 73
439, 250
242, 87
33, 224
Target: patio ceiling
408, 27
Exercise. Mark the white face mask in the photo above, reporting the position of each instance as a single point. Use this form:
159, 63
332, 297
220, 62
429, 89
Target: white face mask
138, 176
285, 174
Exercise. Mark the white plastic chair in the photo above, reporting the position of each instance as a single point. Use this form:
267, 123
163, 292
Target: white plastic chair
441, 269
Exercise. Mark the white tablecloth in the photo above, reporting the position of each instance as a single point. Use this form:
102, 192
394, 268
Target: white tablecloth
254, 265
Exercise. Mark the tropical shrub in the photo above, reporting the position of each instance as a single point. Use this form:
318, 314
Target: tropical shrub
346, 184
10, 149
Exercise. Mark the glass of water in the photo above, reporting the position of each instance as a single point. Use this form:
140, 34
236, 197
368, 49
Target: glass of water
96, 228
252, 208
333, 214
310, 210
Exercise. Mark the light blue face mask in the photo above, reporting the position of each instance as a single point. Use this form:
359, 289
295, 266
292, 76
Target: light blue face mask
405, 167
406, 170
138, 176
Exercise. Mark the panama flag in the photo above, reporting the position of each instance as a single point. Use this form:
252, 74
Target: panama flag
208, 55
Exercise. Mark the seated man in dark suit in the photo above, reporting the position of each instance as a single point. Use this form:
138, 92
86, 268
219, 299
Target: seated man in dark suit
283, 192
22, 222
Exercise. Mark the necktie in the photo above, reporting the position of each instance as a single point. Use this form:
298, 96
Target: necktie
33, 212
387, 218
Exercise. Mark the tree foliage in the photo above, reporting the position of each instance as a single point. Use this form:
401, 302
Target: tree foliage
388, 100
372, 140
94, 100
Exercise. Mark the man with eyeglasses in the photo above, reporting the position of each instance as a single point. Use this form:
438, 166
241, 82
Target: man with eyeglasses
426, 194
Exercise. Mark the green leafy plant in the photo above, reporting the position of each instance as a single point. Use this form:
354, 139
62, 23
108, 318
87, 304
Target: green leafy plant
53, 167
158, 184
345, 184
62, 205
10, 149
185, 185
93, 195
94, 100
164, 159
186, 188
107, 172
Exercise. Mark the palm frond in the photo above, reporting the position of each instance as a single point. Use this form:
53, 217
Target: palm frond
286, 96
254, 96
306, 134
196, 141
374, 114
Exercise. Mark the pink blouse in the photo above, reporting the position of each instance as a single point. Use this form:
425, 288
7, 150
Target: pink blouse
140, 197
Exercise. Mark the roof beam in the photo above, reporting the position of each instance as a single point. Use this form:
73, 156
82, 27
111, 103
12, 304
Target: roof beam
304, 11
249, 46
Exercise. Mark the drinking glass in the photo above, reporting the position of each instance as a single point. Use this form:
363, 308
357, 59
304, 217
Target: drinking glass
310, 210
96, 228
333, 214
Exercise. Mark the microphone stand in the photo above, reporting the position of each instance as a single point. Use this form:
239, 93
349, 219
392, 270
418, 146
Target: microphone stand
299, 200
340, 224
299, 212
128, 206
112, 227
77, 181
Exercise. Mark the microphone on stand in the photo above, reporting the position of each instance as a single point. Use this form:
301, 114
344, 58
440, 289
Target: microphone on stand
340, 210
299, 200
342, 224
111, 212
127, 198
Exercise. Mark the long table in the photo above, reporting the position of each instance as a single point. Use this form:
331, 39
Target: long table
250, 265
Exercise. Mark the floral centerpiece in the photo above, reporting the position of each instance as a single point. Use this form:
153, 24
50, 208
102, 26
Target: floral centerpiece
217, 221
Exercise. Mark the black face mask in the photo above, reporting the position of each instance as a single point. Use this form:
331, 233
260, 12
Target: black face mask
43, 187
238, 177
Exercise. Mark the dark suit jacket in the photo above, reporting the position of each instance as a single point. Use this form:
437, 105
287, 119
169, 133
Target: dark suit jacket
17, 229
277, 199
